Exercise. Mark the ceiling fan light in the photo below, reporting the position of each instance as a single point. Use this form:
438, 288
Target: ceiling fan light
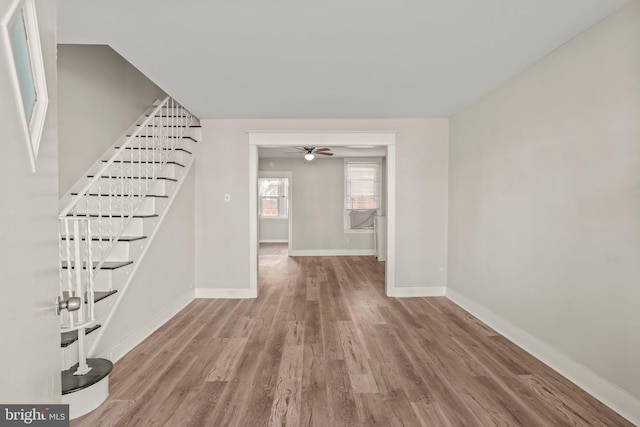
309, 156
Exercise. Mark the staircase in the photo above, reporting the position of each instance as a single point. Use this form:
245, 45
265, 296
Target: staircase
108, 221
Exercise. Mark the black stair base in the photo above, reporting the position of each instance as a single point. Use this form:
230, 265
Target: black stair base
100, 368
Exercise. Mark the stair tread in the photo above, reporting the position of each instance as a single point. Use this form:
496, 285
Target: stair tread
68, 338
155, 136
125, 195
134, 177
97, 295
152, 148
100, 295
108, 265
170, 162
114, 216
100, 368
170, 126
107, 238
165, 116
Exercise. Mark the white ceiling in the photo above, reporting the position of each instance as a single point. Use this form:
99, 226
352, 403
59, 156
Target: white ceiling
328, 58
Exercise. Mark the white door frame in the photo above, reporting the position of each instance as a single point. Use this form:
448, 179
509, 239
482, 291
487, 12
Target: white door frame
289, 176
319, 139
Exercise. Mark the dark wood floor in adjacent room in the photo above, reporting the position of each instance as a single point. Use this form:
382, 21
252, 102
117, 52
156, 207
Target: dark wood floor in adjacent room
323, 346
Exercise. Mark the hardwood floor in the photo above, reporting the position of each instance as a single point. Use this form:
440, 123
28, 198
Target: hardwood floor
323, 346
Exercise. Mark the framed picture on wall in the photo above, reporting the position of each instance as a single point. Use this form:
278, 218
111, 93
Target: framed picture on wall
20, 42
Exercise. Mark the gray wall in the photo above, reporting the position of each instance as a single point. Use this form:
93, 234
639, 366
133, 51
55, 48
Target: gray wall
164, 280
318, 202
544, 214
222, 241
274, 229
30, 332
101, 95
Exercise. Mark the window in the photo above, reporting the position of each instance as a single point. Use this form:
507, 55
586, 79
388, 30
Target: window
362, 195
273, 197
19, 40
19, 36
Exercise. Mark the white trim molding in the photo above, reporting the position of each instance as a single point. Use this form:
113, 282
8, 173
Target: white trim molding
417, 291
608, 393
334, 252
274, 241
226, 293
322, 138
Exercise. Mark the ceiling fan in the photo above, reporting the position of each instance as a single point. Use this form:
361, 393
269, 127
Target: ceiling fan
311, 152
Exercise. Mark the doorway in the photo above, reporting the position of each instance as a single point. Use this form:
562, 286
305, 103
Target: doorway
312, 139
274, 207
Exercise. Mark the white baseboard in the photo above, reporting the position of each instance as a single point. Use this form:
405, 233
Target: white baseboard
117, 351
416, 291
608, 393
274, 241
334, 252
226, 293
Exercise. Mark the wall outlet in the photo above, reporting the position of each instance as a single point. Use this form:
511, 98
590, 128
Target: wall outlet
227, 198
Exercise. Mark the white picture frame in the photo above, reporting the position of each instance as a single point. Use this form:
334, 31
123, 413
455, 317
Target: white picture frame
20, 44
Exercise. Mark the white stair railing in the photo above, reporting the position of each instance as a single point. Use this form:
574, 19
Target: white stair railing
91, 224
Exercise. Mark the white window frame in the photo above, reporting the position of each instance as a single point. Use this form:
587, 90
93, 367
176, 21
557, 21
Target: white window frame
283, 200
346, 212
26, 10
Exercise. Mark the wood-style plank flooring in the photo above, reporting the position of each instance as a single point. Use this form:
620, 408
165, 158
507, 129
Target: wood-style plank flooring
323, 346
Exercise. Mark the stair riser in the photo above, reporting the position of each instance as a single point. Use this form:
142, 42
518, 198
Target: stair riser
126, 186
172, 121
70, 352
113, 226
141, 155
69, 356
168, 109
104, 280
136, 226
174, 128
120, 251
116, 205
111, 279
195, 133
185, 143
137, 170
133, 169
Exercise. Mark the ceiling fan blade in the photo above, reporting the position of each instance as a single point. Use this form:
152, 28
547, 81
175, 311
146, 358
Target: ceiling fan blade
321, 153
323, 149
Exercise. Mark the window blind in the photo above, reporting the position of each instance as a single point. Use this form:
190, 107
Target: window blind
362, 186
